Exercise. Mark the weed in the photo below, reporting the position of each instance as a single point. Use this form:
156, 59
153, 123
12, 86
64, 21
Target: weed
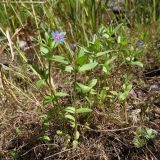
143, 136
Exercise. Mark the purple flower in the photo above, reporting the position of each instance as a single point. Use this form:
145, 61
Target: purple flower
140, 43
58, 36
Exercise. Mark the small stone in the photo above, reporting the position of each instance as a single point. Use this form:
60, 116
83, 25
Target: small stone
155, 87
22, 44
116, 5
135, 116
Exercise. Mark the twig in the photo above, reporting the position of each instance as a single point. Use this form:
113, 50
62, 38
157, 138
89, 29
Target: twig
57, 153
17, 31
116, 152
155, 70
37, 147
35, 2
112, 130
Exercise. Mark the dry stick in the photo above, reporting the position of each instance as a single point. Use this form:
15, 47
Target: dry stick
155, 70
58, 153
10, 44
112, 130
13, 86
116, 152
39, 37
37, 147
17, 31
35, 2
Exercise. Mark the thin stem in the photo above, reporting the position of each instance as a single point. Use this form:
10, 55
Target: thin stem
75, 101
49, 74
49, 82
51, 85
125, 111
154, 10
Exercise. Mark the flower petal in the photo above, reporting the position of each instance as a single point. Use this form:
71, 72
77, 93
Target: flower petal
58, 36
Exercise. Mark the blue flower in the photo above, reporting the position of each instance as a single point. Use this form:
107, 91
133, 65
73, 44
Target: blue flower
58, 36
140, 43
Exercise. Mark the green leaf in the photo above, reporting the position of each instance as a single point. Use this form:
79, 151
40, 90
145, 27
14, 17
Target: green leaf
122, 96
93, 83
75, 143
88, 66
59, 132
114, 93
77, 135
70, 110
39, 83
13, 152
82, 58
44, 50
46, 124
46, 35
61, 94
83, 88
105, 70
70, 117
18, 131
48, 99
83, 110
96, 43
129, 87
122, 40
117, 28
149, 134
106, 35
138, 142
45, 138
53, 45
137, 63
103, 53
60, 59
72, 124
69, 69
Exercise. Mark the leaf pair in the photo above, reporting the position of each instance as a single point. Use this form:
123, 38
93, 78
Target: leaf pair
87, 88
72, 112
51, 98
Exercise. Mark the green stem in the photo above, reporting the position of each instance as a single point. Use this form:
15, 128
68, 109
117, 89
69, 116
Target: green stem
154, 10
49, 82
51, 85
49, 74
75, 102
